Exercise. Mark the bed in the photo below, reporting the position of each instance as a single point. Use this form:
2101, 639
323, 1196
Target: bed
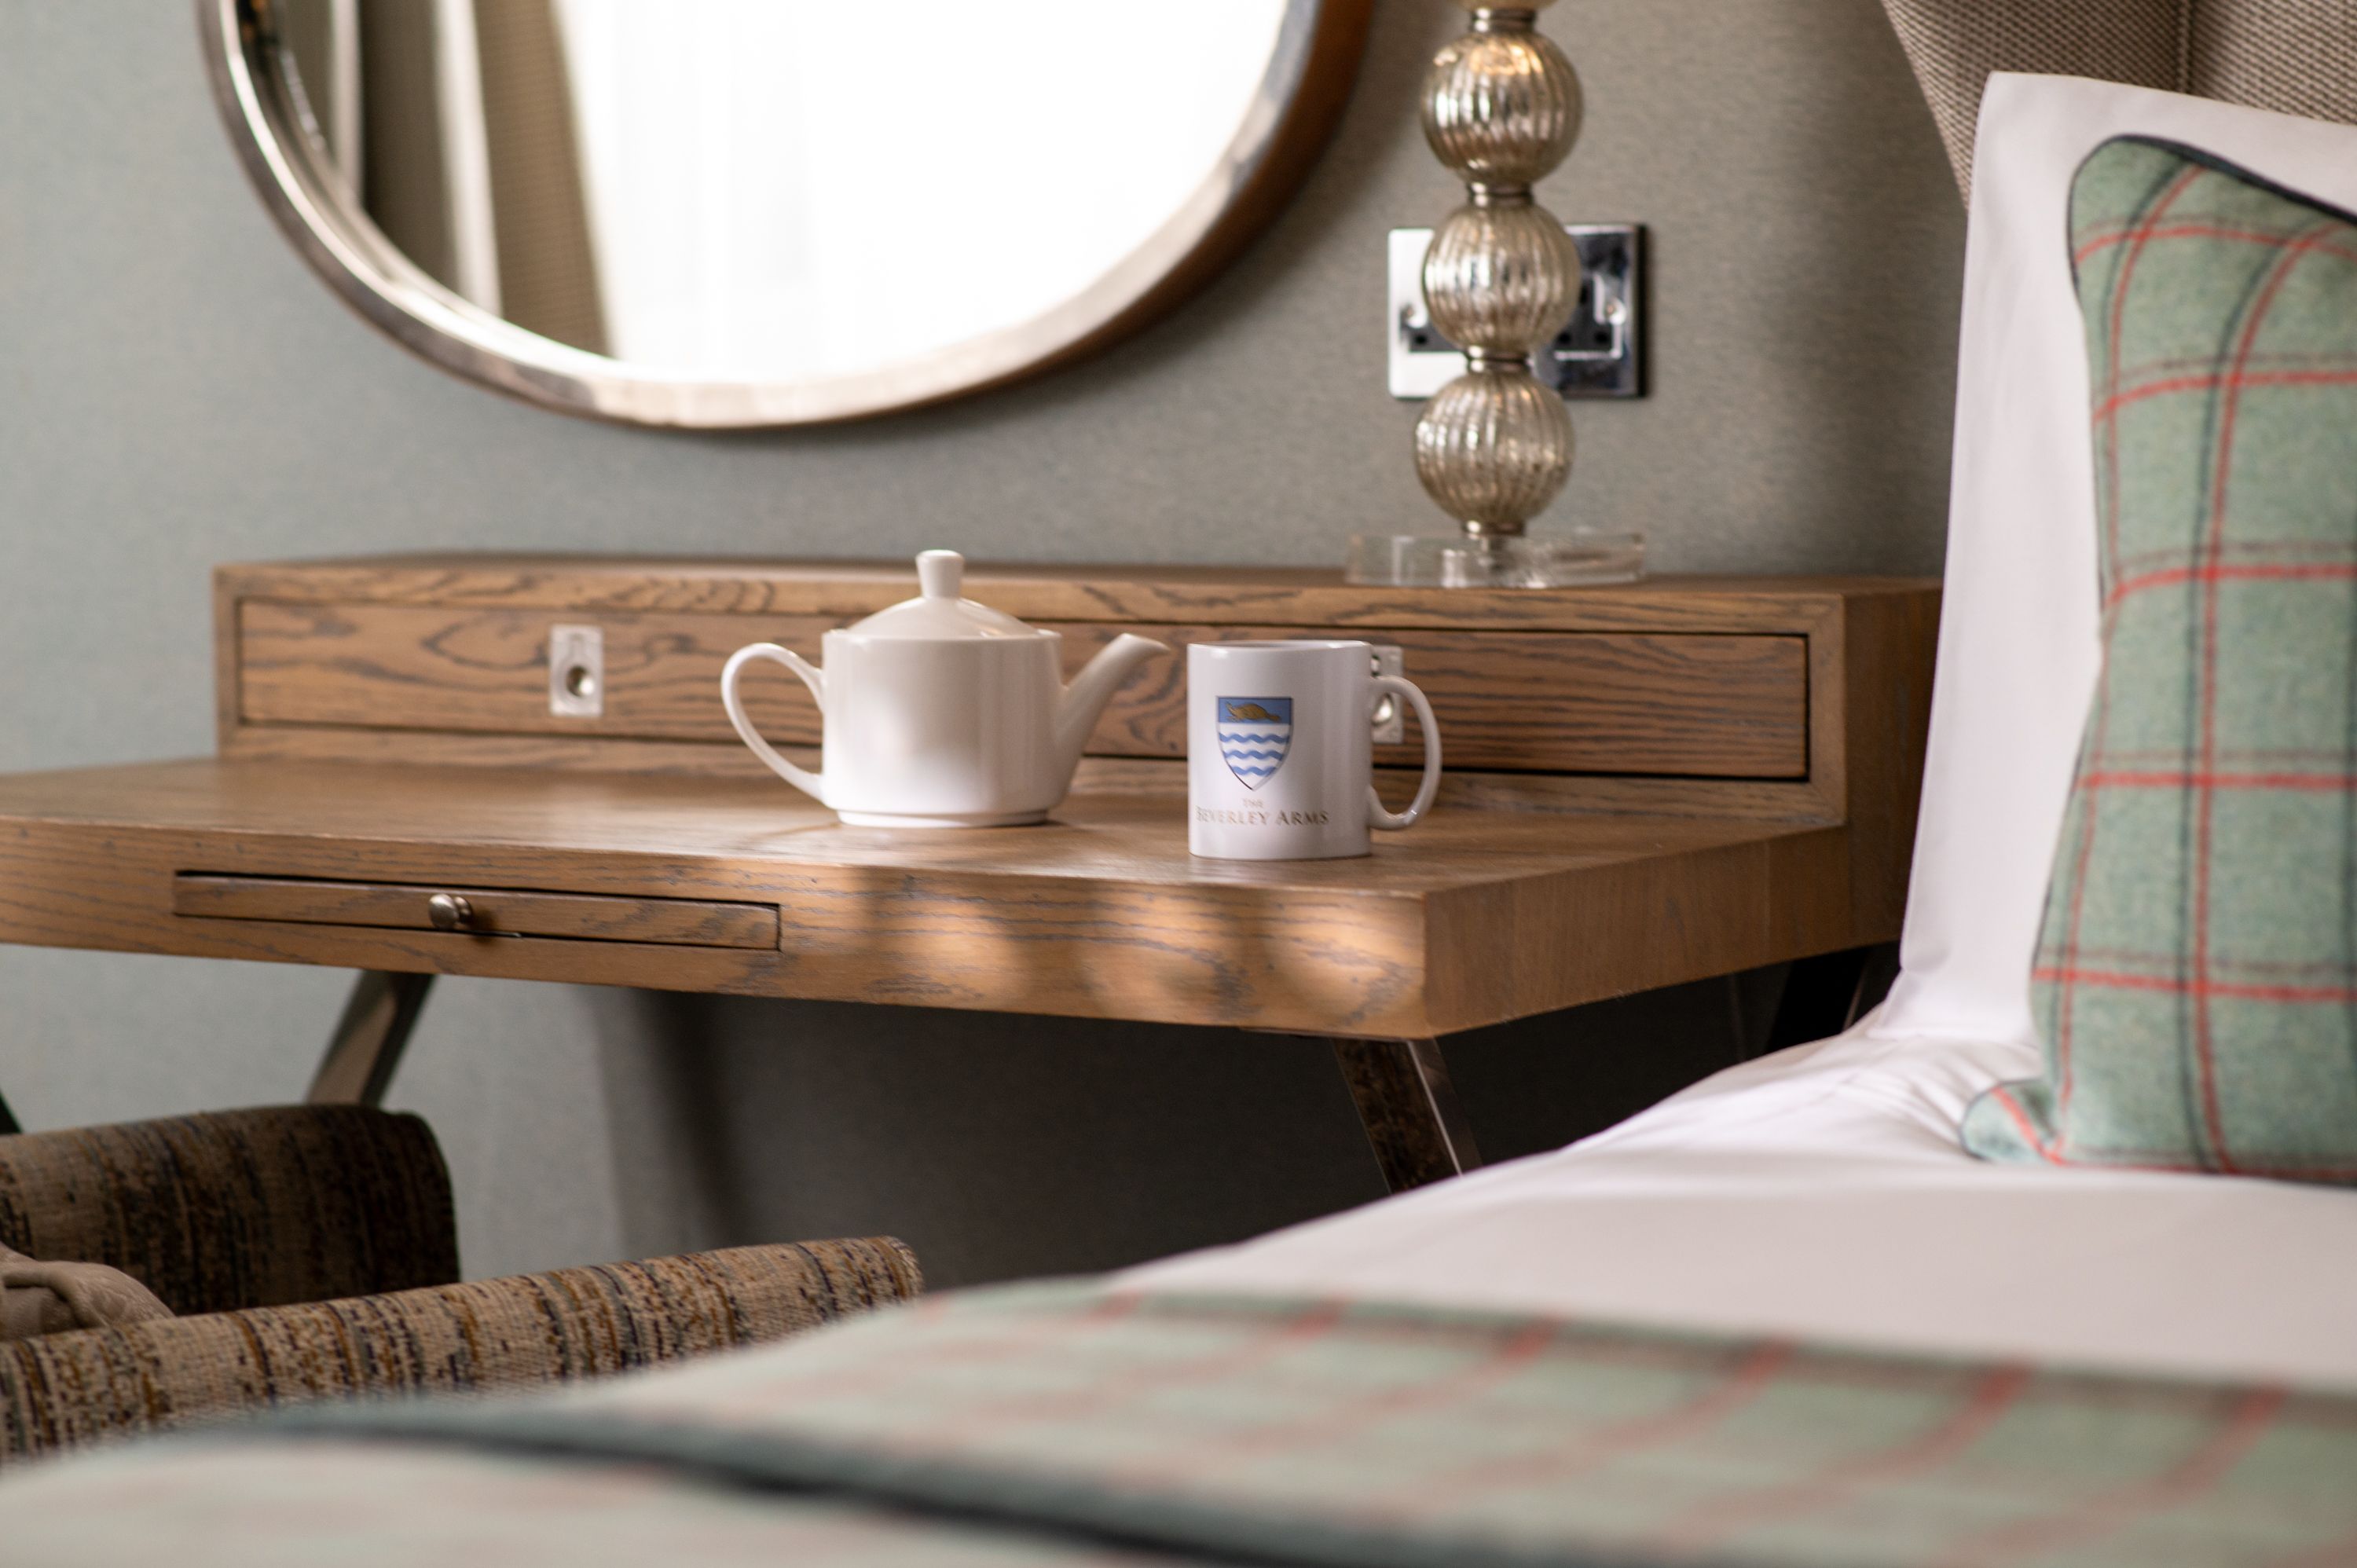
1782, 1318
1779, 1319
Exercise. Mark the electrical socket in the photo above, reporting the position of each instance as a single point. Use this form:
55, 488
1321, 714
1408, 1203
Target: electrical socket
1598, 354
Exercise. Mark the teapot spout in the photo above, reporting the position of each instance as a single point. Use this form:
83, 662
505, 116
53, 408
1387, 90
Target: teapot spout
1084, 699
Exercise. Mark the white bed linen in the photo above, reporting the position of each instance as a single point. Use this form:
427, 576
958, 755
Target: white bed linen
1823, 1192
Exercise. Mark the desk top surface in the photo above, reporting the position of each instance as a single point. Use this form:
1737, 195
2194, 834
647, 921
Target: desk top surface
1475, 917
1136, 836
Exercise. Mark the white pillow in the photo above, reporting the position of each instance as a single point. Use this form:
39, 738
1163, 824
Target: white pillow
2017, 640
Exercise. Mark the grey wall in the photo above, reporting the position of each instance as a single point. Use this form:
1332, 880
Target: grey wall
177, 390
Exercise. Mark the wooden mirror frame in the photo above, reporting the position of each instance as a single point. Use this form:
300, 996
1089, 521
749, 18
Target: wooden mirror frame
1300, 99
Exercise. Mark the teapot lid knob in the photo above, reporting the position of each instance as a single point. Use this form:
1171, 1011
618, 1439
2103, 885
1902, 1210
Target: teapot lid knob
940, 573
940, 614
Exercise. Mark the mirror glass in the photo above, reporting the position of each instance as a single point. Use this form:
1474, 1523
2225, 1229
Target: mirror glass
773, 190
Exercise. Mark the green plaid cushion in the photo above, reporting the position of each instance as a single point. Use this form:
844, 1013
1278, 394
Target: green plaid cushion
2196, 977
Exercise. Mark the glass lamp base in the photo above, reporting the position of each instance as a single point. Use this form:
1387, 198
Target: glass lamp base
1528, 561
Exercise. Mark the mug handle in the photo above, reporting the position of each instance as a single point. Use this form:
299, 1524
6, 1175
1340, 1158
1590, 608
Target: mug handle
810, 784
1377, 817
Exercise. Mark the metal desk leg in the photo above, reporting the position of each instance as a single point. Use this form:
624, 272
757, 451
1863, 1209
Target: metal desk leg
1409, 1108
367, 1047
9, 1122
1825, 994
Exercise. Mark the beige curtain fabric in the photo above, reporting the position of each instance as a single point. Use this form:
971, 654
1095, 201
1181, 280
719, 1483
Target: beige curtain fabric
548, 273
405, 173
538, 215
2296, 56
309, 30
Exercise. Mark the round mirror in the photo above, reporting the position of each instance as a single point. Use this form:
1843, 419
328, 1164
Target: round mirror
761, 212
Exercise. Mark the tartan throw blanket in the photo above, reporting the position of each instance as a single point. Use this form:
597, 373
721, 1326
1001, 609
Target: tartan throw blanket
1092, 1424
2196, 975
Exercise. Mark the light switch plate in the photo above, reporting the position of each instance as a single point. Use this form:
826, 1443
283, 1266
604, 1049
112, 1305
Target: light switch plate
1599, 354
576, 672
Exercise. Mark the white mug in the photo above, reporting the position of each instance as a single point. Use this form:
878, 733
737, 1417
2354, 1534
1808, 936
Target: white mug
1280, 750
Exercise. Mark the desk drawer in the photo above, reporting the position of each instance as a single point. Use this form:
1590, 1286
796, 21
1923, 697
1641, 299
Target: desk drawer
1668, 705
475, 911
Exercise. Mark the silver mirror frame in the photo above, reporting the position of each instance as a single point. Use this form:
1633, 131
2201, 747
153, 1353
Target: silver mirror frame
1300, 99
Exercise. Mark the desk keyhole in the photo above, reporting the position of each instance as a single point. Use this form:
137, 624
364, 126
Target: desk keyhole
576, 672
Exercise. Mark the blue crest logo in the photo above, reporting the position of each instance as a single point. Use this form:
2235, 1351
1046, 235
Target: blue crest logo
1254, 735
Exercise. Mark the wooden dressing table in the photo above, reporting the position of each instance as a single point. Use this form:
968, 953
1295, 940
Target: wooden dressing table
1647, 785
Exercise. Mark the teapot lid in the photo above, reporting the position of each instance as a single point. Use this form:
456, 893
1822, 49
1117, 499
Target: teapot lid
939, 614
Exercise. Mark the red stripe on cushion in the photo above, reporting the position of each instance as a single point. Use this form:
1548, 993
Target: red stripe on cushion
2213, 380
2101, 722
2326, 783
2205, 1047
2152, 959
2094, 248
2232, 990
2274, 756
2221, 571
2024, 1125
2137, 239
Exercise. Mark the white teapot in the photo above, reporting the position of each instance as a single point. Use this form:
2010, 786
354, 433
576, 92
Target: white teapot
942, 712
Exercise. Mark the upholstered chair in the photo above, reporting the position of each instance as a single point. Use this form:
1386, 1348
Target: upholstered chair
2298, 57
311, 1253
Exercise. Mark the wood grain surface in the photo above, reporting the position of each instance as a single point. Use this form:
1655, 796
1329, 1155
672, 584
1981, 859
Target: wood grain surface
1216, 596
1805, 800
1649, 784
492, 912
1472, 918
1675, 705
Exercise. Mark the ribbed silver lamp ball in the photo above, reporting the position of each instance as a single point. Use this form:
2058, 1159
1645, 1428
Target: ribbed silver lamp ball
1501, 276
1494, 448
1501, 108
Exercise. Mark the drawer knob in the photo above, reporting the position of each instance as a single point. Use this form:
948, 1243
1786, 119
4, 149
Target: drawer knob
449, 911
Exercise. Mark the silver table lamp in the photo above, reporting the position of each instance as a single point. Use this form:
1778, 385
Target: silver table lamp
1501, 109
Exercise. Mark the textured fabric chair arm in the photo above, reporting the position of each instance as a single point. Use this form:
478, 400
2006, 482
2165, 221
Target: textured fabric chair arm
66, 1390
239, 1208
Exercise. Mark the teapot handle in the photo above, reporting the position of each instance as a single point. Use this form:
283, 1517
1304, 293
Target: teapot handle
810, 784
